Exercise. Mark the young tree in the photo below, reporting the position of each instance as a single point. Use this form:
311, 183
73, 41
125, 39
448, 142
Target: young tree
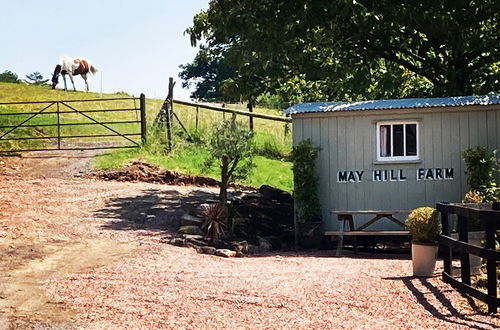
9, 76
231, 147
36, 78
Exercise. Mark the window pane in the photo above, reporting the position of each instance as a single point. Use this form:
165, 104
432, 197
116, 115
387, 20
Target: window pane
411, 140
385, 140
398, 140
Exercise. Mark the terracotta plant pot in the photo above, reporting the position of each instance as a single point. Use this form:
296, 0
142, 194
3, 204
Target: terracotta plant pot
423, 256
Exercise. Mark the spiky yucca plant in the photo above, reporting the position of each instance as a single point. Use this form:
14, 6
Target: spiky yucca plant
214, 221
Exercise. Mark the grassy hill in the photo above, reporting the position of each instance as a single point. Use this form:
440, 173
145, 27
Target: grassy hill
272, 145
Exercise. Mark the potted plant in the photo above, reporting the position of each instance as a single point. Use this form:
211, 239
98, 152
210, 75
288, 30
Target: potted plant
424, 228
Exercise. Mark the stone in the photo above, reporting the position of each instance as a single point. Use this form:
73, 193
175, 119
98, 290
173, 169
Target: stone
264, 245
241, 246
177, 241
190, 230
252, 249
207, 250
275, 194
189, 220
196, 241
225, 253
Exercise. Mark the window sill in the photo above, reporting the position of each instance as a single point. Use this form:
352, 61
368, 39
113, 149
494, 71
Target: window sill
388, 162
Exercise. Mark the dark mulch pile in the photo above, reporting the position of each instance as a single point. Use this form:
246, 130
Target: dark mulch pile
142, 172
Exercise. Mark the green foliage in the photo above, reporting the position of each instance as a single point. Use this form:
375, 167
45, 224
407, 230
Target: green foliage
9, 77
479, 162
36, 78
306, 181
207, 74
423, 225
269, 146
214, 221
351, 50
231, 146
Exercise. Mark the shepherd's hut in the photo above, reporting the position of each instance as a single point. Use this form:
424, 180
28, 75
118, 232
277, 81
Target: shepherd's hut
393, 155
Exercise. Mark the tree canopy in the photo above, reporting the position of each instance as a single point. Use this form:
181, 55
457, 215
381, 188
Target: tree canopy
356, 49
9, 76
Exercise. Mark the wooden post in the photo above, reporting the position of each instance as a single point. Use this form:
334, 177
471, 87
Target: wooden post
197, 114
250, 120
287, 126
447, 256
58, 128
463, 235
142, 106
490, 263
168, 103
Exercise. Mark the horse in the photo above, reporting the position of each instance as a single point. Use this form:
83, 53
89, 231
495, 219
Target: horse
72, 67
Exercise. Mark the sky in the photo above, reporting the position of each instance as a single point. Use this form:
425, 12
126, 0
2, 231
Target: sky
136, 45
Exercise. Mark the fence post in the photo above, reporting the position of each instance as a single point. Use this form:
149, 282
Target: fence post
287, 126
447, 255
169, 102
250, 121
142, 106
58, 128
463, 235
490, 263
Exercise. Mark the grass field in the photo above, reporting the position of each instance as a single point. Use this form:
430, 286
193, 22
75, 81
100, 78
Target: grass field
272, 145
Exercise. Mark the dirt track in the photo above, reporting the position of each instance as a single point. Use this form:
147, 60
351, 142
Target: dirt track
82, 253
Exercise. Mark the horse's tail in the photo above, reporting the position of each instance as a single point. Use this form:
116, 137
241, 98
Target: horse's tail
93, 69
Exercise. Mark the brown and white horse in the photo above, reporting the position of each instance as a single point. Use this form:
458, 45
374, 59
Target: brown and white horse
72, 67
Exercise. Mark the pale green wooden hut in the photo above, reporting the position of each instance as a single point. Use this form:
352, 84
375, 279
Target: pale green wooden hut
394, 154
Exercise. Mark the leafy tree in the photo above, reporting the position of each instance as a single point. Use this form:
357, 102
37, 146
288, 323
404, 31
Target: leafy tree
36, 78
9, 76
350, 50
231, 147
207, 73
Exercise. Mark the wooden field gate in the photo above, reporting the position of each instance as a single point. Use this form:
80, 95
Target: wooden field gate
72, 124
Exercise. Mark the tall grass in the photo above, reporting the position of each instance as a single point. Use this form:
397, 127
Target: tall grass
272, 144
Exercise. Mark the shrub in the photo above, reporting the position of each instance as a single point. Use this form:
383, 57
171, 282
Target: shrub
214, 223
306, 181
479, 162
423, 225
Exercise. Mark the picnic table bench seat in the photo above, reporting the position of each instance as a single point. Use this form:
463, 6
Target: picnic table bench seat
346, 218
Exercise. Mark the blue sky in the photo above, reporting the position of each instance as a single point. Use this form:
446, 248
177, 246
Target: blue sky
136, 45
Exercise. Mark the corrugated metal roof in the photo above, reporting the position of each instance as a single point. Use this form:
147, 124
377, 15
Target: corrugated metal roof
454, 101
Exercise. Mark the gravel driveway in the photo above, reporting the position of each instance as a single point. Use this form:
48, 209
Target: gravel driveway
131, 279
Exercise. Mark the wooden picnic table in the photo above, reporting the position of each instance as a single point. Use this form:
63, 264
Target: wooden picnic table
346, 218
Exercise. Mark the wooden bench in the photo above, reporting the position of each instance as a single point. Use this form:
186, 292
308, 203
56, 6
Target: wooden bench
346, 218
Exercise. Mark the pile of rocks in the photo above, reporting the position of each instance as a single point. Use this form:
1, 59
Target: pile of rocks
262, 222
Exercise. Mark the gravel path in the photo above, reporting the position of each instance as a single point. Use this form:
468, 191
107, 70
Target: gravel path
162, 286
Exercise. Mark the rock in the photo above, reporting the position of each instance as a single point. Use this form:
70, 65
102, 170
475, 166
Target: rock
241, 246
208, 250
190, 230
225, 253
252, 249
189, 220
177, 241
274, 241
264, 245
275, 194
196, 241
196, 247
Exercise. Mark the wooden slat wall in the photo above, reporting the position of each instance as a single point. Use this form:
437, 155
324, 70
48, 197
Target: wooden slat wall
349, 143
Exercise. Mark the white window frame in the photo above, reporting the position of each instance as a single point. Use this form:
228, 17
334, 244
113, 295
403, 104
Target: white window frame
398, 158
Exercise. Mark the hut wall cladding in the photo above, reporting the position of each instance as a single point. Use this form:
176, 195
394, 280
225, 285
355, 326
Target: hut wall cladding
348, 142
